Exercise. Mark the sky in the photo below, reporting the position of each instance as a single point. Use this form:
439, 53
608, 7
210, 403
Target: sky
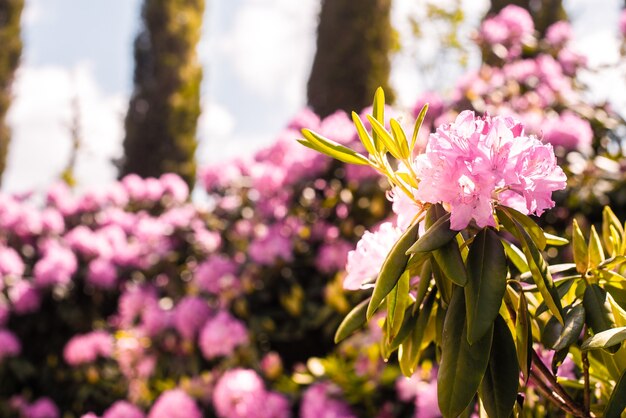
256, 56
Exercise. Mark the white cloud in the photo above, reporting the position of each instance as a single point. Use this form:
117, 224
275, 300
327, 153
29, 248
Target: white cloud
40, 118
271, 45
33, 12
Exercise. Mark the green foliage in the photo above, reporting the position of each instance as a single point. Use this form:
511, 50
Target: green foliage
165, 106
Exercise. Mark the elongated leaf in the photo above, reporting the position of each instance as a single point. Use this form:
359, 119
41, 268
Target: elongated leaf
400, 138
397, 302
352, 322
378, 111
418, 125
570, 331
605, 339
516, 256
595, 251
562, 288
617, 401
392, 268
332, 149
409, 351
442, 282
611, 263
555, 240
450, 262
438, 235
422, 287
498, 389
486, 268
536, 263
534, 231
581, 256
462, 365
523, 337
599, 315
365, 137
385, 137
610, 220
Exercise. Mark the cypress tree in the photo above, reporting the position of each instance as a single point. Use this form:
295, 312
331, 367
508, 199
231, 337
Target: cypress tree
354, 39
10, 52
164, 108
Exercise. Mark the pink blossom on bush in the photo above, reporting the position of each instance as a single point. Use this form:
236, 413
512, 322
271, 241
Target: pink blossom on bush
568, 131
86, 348
24, 297
271, 244
102, 273
365, 261
221, 335
216, 274
509, 28
622, 23
422, 390
175, 187
41, 408
57, 265
190, 315
10, 263
559, 33
9, 344
175, 404
332, 257
123, 409
322, 400
475, 163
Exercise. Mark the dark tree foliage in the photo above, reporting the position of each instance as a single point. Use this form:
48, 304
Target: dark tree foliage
164, 109
544, 12
354, 39
10, 51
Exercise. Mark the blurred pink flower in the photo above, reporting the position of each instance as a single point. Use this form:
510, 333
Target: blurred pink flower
123, 409
365, 261
102, 273
86, 348
41, 408
9, 344
568, 131
57, 265
221, 334
175, 404
190, 315
322, 400
217, 274
24, 297
11, 263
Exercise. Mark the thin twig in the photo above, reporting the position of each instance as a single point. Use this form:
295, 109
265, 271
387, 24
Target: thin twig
550, 395
587, 390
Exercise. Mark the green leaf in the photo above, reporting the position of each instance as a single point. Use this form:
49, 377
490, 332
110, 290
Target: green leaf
392, 268
595, 251
378, 111
555, 240
332, 149
570, 331
450, 262
438, 235
523, 336
410, 349
462, 365
400, 137
598, 309
365, 137
424, 282
617, 401
581, 256
534, 231
442, 282
605, 339
538, 266
516, 256
397, 302
486, 268
352, 322
381, 133
418, 125
498, 389
610, 220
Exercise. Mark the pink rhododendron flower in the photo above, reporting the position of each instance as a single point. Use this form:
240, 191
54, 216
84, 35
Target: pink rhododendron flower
24, 297
221, 335
190, 315
86, 348
175, 404
365, 262
559, 33
123, 409
217, 274
272, 243
475, 163
568, 131
240, 393
332, 256
57, 265
102, 273
10, 263
322, 401
9, 344
422, 390
174, 186
41, 408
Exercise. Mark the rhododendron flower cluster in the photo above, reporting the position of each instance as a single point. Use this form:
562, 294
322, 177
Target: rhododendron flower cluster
475, 163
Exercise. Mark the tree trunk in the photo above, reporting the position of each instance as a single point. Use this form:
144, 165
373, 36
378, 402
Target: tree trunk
354, 39
543, 12
163, 113
10, 52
